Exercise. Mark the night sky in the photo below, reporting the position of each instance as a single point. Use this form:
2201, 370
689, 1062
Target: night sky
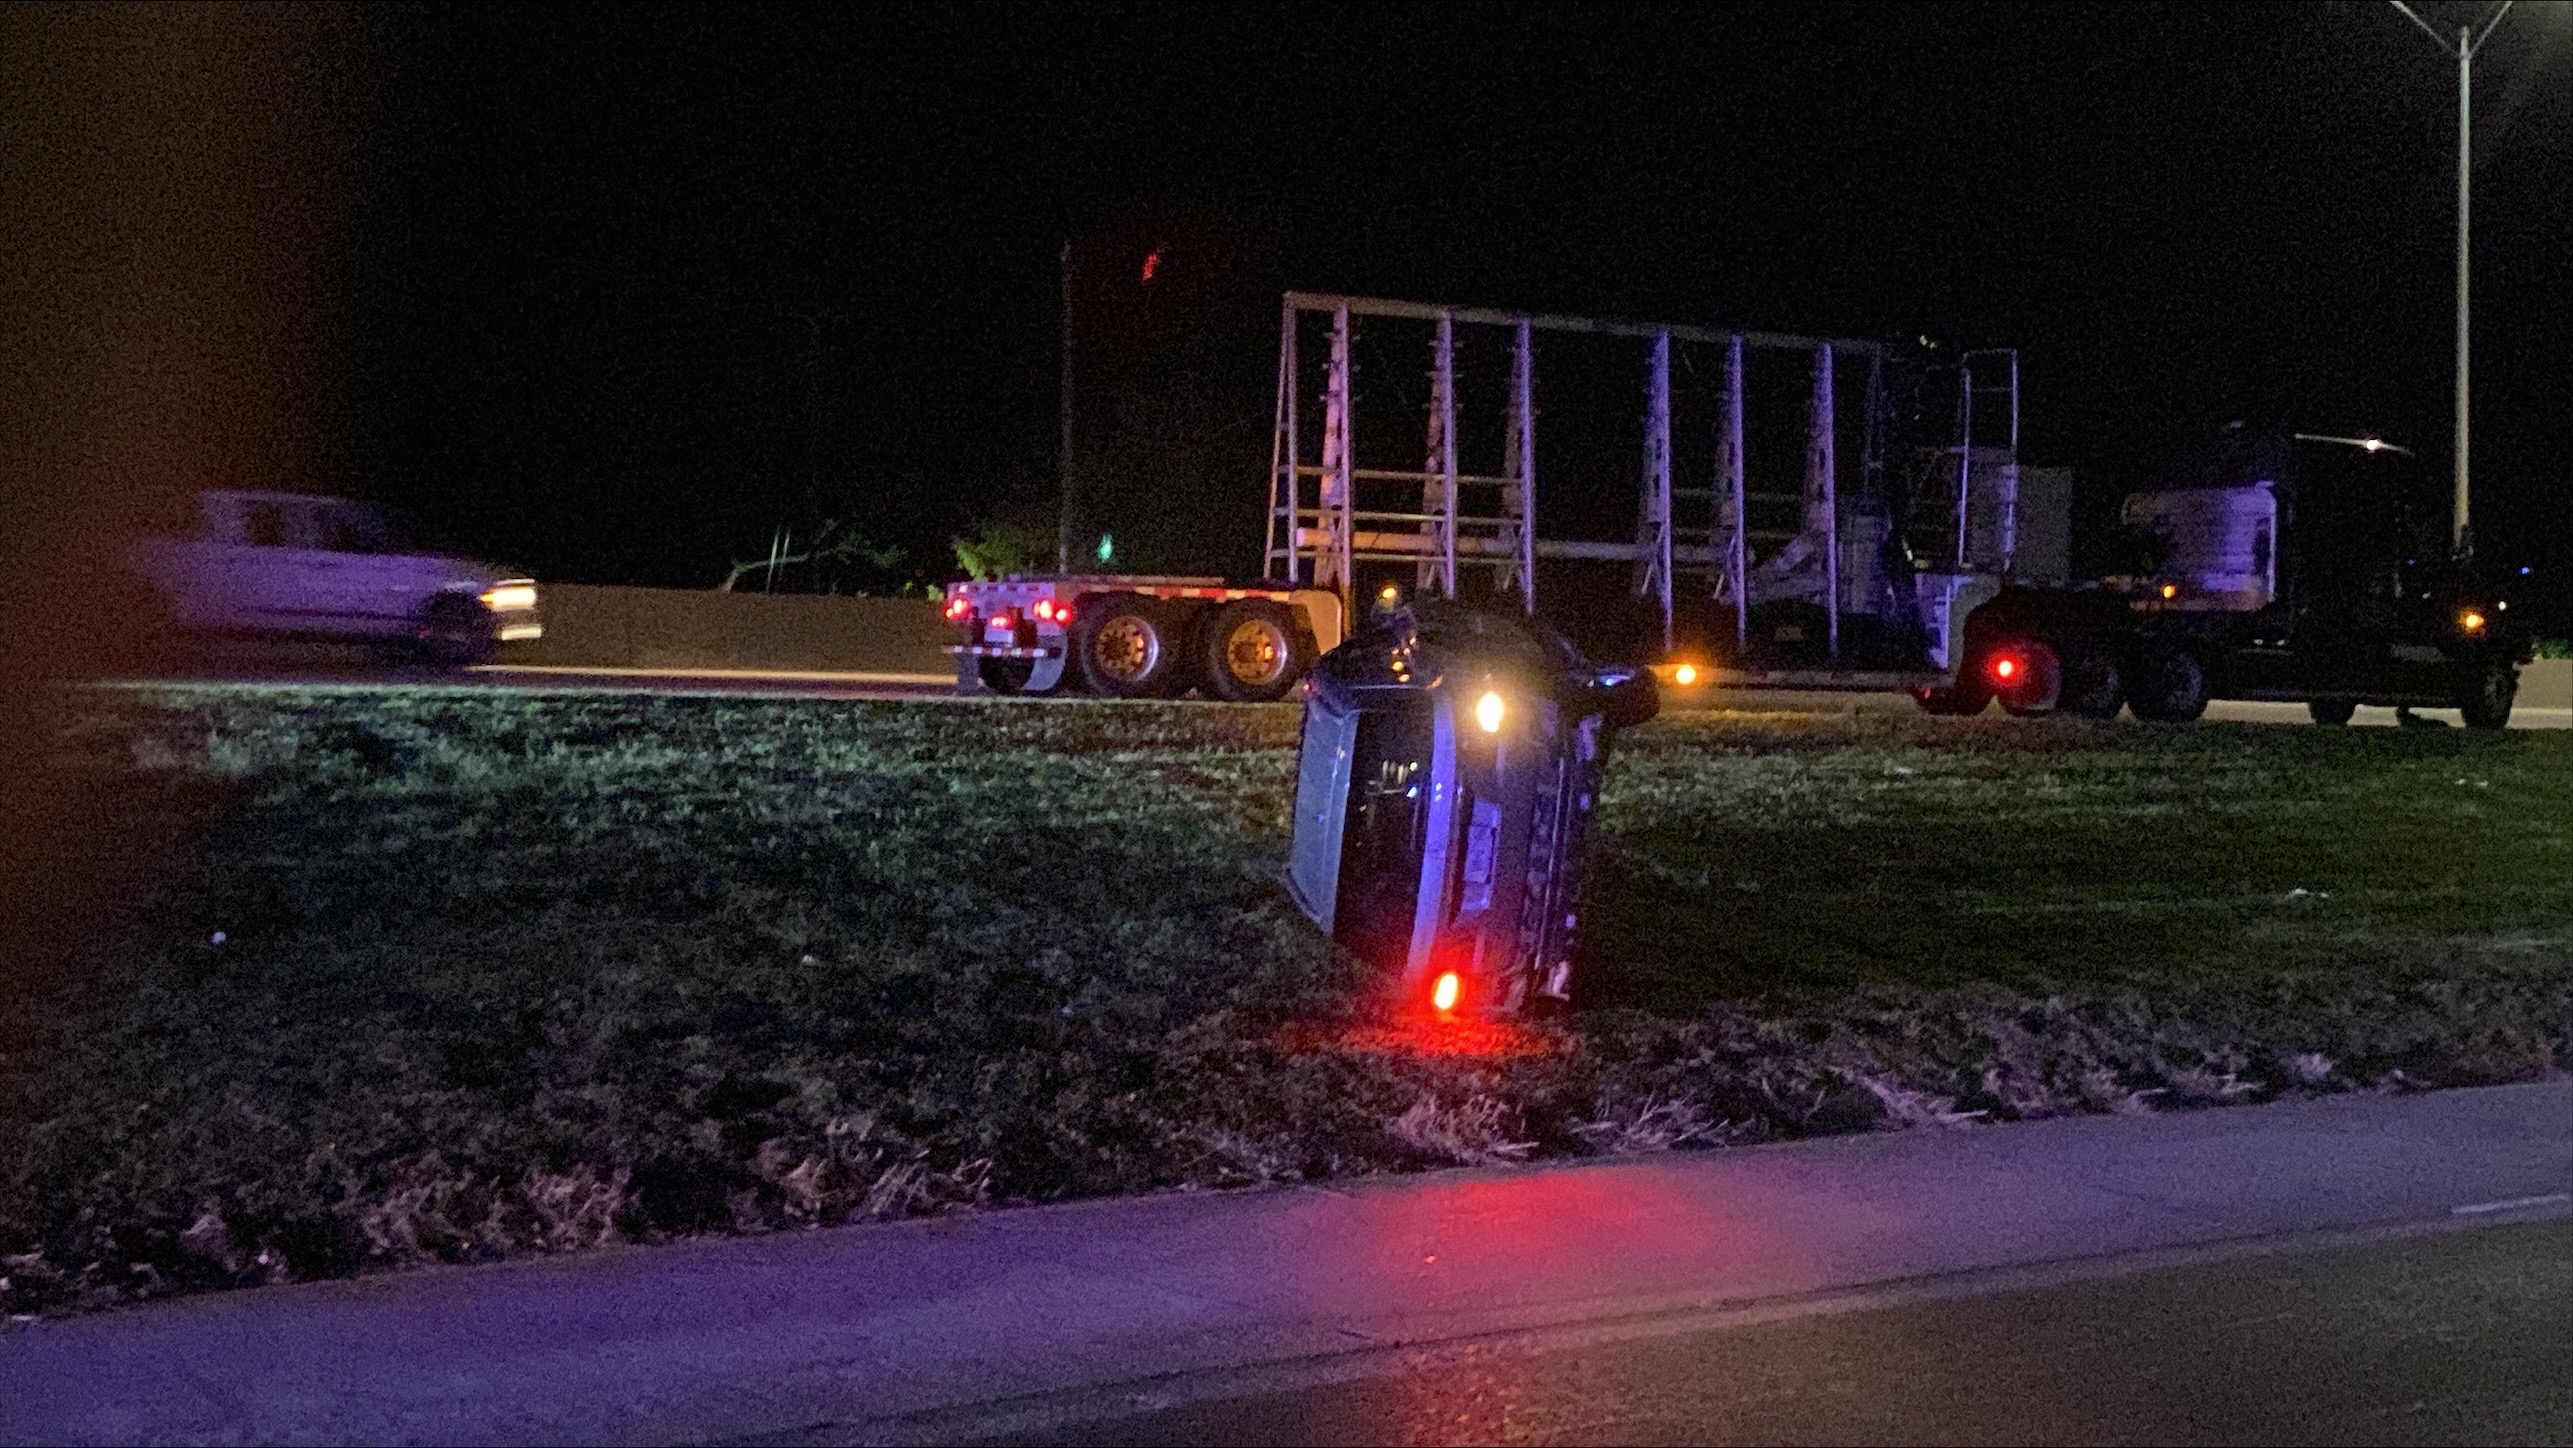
618, 269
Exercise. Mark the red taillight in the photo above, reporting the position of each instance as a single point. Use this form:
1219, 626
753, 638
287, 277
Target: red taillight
1443, 995
1005, 621
1049, 611
2005, 668
959, 607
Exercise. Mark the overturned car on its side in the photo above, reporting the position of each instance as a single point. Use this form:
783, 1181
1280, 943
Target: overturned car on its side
1449, 769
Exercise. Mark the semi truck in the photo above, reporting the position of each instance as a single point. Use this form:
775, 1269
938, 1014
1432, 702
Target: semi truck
1809, 513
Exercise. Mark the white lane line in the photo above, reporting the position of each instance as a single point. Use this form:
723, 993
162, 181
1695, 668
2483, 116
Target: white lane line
2477, 1209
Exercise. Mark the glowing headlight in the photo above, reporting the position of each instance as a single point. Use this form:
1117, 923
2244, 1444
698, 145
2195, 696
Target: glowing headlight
1685, 675
509, 597
1488, 711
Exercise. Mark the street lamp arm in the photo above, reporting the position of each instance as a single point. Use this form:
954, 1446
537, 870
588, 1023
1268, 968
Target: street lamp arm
2486, 32
2446, 47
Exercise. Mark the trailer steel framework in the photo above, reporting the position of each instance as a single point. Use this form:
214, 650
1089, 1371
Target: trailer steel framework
1317, 535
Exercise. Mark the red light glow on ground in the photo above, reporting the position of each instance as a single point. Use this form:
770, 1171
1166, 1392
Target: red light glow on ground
1423, 1033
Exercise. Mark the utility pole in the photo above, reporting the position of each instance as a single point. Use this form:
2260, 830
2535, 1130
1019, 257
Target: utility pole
1063, 447
2468, 41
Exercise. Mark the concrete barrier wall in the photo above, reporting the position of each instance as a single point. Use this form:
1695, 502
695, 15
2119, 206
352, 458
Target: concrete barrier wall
669, 628
2547, 684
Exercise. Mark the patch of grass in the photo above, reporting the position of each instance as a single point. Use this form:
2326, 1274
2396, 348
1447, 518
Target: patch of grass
453, 974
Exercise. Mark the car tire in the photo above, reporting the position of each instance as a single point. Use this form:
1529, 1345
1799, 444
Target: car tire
1128, 647
2173, 690
2094, 686
1250, 651
2485, 695
454, 632
2332, 713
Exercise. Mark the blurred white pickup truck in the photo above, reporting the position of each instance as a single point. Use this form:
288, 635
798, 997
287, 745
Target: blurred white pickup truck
297, 565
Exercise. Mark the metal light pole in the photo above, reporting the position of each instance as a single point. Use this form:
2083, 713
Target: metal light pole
2463, 48
1063, 453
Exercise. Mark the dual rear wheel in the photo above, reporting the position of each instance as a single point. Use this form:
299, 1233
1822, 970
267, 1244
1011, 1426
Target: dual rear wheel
1130, 646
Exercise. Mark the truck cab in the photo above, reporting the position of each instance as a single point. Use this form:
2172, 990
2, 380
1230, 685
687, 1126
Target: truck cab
2302, 566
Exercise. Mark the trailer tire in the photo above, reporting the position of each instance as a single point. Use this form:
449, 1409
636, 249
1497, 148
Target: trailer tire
2094, 686
1967, 699
1005, 676
2173, 689
2485, 694
2042, 692
1128, 647
1250, 651
2331, 713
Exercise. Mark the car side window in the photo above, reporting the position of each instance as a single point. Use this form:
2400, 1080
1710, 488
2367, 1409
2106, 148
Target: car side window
350, 529
263, 524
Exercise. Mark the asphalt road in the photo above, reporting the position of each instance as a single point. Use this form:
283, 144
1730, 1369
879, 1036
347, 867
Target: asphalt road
2457, 1338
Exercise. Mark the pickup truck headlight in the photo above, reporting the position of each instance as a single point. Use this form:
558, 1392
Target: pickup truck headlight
512, 597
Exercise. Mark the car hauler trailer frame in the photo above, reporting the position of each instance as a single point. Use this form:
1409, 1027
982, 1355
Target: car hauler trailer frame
1864, 587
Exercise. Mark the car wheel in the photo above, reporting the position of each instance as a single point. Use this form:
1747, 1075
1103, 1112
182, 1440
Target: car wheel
454, 632
1127, 647
1252, 652
2174, 689
2485, 694
2094, 686
2332, 713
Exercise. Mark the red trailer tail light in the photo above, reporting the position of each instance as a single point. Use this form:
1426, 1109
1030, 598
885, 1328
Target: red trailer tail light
1049, 611
2005, 669
959, 607
1005, 621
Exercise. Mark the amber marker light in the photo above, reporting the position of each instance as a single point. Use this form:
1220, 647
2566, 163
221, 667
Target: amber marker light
1489, 711
1684, 675
2170, 590
2471, 621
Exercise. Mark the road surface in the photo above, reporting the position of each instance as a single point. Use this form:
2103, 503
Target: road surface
1928, 1283
2457, 1338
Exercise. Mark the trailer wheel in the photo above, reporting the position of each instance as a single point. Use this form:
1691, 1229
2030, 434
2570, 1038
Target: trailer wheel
2485, 694
2332, 713
1250, 652
1967, 699
2094, 686
2041, 691
1005, 676
2173, 690
1128, 647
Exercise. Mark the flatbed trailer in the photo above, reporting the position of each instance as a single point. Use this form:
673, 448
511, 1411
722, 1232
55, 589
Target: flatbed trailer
1138, 636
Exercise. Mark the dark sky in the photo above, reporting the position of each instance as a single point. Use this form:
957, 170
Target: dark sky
600, 244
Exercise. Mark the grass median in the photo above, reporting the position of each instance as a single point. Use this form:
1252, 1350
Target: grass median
453, 974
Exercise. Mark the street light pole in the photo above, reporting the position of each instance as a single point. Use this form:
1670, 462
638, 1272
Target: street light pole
2468, 41
1063, 453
